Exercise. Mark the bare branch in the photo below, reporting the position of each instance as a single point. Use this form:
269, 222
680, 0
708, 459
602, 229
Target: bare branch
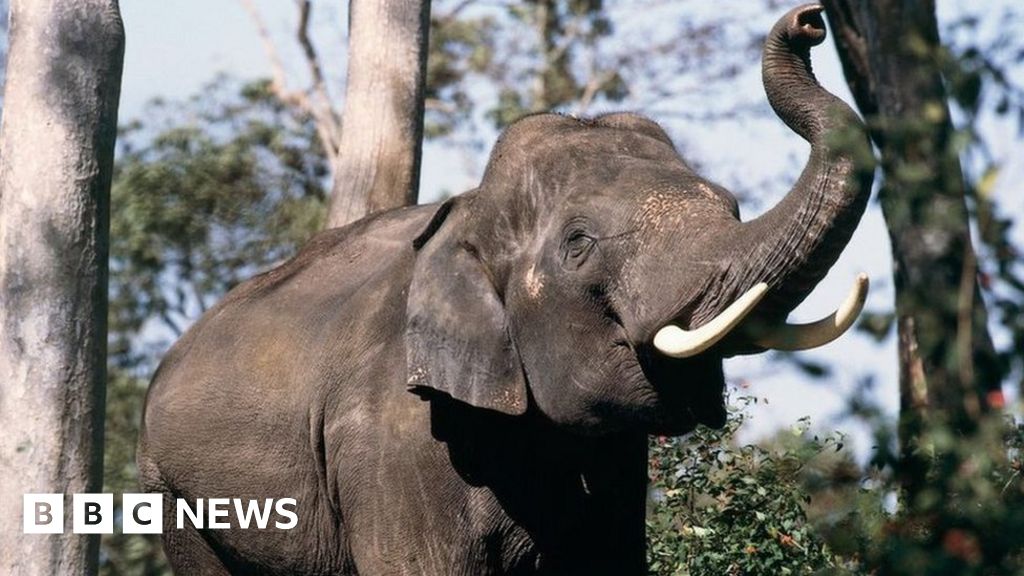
279, 82
438, 105
314, 101
171, 324
456, 10
853, 55
590, 91
327, 120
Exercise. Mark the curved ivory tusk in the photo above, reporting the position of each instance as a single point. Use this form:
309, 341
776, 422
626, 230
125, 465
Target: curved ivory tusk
678, 343
806, 336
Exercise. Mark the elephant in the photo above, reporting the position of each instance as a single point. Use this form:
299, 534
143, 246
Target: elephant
467, 387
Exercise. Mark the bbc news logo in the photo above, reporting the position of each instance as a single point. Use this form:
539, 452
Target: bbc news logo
144, 513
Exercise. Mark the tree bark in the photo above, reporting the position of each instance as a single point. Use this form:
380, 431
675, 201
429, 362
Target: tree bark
56, 161
378, 163
948, 363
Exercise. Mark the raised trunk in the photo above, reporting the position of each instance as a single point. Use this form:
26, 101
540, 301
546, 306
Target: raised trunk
56, 162
792, 246
378, 165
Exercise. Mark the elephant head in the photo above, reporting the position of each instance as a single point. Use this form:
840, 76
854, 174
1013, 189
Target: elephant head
595, 278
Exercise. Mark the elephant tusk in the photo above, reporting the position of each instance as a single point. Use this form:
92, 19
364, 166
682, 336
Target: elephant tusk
673, 341
806, 336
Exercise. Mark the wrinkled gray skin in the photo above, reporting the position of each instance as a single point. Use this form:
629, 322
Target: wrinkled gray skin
467, 388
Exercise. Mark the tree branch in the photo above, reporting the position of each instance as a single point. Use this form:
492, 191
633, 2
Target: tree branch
592, 88
853, 53
327, 121
279, 83
315, 100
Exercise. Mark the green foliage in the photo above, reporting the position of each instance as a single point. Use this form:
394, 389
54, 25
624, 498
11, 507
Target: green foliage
984, 85
491, 63
528, 52
962, 508
205, 194
799, 504
460, 46
719, 508
969, 518
561, 29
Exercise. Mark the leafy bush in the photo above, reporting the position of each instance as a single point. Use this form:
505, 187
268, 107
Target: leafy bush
969, 518
720, 508
800, 504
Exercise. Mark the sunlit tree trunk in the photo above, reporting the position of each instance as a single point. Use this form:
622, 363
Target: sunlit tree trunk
378, 164
56, 158
948, 367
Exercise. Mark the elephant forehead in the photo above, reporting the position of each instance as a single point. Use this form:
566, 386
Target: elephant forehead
670, 209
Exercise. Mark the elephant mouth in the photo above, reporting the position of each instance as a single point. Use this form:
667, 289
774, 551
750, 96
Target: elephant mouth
690, 391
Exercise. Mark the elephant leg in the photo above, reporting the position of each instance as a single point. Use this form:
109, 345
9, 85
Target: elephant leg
186, 549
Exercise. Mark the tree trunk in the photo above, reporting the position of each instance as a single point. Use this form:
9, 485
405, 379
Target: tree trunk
378, 163
56, 161
948, 364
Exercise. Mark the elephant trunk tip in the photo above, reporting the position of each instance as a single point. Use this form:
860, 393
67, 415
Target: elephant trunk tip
804, 26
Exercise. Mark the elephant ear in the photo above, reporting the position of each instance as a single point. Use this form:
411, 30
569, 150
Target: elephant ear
457, 337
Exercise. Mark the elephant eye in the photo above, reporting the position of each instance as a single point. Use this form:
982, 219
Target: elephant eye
577, 248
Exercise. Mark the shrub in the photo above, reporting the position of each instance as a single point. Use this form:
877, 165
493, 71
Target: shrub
720, 508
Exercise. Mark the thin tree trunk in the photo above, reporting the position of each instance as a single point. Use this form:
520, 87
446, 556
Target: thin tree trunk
378, 163
947, 359
56, 159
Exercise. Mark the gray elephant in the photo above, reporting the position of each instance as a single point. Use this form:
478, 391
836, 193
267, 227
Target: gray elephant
467, 388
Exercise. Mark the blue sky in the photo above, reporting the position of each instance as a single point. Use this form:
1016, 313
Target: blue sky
173, 48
